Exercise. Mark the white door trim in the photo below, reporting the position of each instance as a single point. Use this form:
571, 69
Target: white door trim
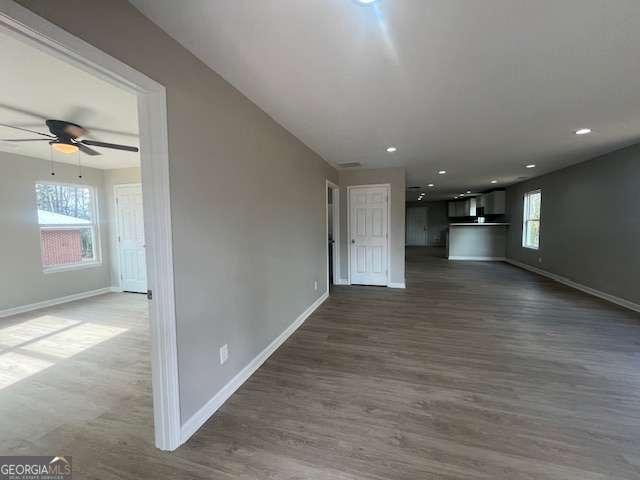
335, 191
388, 187
28, 27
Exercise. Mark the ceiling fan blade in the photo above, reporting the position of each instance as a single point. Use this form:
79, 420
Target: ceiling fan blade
22, 111
87, 150
115, 146
27, 130
24, 140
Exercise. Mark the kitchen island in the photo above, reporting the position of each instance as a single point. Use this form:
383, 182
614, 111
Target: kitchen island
477, 241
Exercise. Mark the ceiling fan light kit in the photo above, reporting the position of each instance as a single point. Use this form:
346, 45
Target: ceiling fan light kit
66, 148
64, 138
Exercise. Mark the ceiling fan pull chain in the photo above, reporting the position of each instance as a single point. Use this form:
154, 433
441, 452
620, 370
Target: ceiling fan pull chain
79, 165
51, 160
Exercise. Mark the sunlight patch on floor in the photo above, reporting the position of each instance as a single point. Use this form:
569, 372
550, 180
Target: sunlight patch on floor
74, 340
48, 336
14, 367
32, 329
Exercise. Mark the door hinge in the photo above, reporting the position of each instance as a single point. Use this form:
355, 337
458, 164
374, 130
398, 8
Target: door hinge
149, 295
118, 238
117, 201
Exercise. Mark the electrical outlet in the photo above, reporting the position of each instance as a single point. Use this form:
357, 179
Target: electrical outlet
315, 285
224, 353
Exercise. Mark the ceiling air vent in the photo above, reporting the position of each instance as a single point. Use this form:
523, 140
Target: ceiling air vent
350, 165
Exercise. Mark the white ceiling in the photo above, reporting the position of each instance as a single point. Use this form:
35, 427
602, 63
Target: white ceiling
477, 88
33, 81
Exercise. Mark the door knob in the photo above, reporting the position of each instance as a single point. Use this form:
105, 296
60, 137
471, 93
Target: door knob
353, 241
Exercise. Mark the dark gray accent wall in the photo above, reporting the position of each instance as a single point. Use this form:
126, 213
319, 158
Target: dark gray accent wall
590, 229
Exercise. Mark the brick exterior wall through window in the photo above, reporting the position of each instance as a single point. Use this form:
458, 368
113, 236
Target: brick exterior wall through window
61, 247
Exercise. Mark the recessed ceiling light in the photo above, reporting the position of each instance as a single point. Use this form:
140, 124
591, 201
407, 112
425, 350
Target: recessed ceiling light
531, 165
430, 185
468, 191
442, 172
583, 131
366, 2
391, 149
494, 181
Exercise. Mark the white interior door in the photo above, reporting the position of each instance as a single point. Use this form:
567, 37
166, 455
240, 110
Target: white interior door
416, 227
130, 220
368, 216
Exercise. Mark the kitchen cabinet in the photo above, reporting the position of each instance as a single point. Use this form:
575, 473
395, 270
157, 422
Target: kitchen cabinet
494, 203
463, 208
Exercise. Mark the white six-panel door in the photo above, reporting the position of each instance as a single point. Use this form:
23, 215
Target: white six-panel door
130, 224
369, 247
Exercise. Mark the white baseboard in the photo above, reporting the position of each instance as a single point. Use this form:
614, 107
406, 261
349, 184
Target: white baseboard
341, 281
479, 259
578, 286
201, 416
116, 289
397, 285
54, 301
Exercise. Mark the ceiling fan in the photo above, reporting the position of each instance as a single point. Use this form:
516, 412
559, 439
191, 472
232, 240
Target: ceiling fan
65, 136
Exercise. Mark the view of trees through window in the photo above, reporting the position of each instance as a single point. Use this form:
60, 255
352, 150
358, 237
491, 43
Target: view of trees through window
67, 224
531, 220
70, 200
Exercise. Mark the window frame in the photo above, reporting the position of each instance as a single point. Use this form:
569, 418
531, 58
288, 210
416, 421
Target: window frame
94, 225
526, 219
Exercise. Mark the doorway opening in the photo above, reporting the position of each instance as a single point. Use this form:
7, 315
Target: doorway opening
73, 248
333, 234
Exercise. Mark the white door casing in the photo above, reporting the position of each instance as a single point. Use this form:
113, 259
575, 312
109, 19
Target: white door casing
369, 239
21, 23
130, 229
416, 227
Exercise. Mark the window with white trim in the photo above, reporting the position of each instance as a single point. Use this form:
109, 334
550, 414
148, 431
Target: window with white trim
68, 225
531, 220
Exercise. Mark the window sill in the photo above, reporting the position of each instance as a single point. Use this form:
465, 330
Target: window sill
67, 268
531, 248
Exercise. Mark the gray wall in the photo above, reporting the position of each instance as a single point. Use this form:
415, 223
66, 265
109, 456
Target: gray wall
248, 201
437, 221
590, 230
22, 281
396, 177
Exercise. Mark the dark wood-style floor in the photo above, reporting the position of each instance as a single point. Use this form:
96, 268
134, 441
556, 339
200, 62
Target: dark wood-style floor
475, 371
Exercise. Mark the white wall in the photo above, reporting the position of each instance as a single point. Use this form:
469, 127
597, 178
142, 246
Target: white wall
22, 280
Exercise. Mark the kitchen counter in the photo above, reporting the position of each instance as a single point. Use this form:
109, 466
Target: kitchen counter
485, 244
